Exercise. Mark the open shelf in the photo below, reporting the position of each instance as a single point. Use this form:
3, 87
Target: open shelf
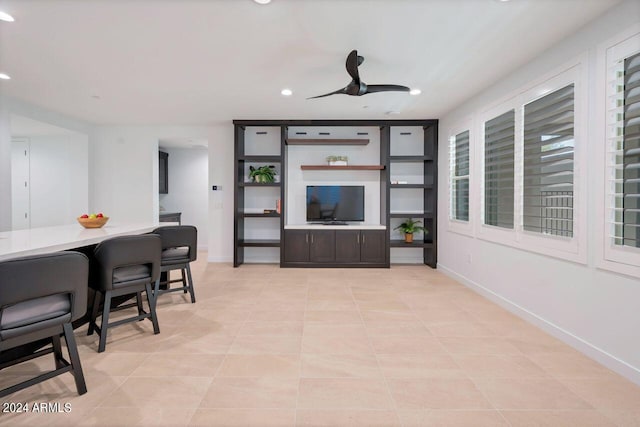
341, 168
260, 215
414, 244
407, 159
259, 184
261, 159
307, 141
259, 243
411, 186
411, 215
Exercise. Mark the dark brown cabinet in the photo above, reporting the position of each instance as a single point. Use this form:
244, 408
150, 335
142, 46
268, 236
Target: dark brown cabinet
338, 248
310, 246
163, 169
297, 246
373, 246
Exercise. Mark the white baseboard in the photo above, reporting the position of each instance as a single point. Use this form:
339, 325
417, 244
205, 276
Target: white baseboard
610, 361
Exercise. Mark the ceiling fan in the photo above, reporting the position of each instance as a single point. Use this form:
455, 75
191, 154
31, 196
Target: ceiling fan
357, 87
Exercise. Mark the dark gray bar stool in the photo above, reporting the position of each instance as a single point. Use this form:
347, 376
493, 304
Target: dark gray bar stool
123, 266
39, 298
179, 248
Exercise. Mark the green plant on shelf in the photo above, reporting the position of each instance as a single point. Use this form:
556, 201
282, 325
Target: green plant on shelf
408, 227
262, 174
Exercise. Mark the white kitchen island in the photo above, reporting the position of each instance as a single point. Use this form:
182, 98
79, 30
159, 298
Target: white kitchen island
43, 240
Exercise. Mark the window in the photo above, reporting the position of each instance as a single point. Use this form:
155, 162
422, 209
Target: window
619, 242
460, 176
548, 161
499, 160
626, 229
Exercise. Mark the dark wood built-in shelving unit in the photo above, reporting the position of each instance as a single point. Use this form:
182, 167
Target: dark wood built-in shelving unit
354, 247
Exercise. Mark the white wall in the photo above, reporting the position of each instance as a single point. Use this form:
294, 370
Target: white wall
125, 173
189, 188
9, 107
594, 310
221, 174
59, 179
297, 179
5, 166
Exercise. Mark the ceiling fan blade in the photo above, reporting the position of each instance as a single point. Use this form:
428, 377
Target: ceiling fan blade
335, 92
353, 60
386, 88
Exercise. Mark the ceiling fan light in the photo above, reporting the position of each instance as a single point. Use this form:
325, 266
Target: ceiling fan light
262, 1
286, 92
415, 92
4, 16
4, 76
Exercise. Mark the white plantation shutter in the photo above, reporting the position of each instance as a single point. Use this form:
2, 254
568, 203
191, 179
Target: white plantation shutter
499, 152
548, 156
459, 172
624, 151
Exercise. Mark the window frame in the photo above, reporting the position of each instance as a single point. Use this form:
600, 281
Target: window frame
566, 248
456, 225
612, 257
487, 231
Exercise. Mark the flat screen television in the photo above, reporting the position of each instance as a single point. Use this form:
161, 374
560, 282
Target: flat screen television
335, 203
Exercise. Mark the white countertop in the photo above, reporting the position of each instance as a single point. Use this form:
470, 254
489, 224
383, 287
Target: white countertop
36, 241
335, 227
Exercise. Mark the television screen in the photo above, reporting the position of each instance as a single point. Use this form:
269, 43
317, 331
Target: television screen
335, 203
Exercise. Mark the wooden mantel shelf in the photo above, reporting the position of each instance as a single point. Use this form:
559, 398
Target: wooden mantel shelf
309, 141
342, 168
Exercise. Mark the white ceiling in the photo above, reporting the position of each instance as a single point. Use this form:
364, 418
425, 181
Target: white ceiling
205, 61
24, 126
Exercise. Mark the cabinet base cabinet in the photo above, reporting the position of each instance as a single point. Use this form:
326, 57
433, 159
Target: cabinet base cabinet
335, 248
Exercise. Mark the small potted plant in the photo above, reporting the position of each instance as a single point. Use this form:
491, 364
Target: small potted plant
262, 174
408, 227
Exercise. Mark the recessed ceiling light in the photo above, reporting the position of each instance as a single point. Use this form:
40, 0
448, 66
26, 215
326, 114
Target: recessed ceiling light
262, 1
4, 16
4, 76
415, 92
286, 92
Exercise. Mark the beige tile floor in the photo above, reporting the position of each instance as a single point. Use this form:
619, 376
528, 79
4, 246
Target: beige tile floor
265, 346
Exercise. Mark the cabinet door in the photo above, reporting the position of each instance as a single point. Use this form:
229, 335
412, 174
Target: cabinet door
322, 246
373, 246
348, 246
296, 246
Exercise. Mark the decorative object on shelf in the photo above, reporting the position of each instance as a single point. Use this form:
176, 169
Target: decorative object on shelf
357, 87
408, 227
93, 220
263, 174
337, 160
269, 211
278, 206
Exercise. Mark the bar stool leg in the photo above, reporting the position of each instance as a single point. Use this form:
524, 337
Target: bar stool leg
94, 313
105, 322
151, 299
184, 281
74, 358
57, 351
191, 290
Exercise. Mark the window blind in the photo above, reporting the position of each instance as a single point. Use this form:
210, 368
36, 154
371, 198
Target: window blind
626, 153
547, 204
459, 166
499, 152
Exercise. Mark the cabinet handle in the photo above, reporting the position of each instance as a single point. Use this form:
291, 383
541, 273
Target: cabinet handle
311, 237
306, 237
358, 236
363, 236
